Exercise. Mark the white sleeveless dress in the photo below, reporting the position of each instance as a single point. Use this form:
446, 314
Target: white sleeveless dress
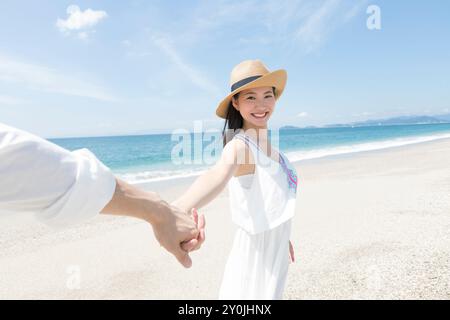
262, 206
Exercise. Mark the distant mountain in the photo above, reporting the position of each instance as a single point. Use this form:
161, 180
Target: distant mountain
289, 128
403, 120
445, 117
294, 127
397, 121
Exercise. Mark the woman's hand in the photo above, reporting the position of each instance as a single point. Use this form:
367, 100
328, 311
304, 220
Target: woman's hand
172, 228
291, 252
196, 243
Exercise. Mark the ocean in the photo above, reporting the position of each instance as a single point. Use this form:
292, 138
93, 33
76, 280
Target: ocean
154, 157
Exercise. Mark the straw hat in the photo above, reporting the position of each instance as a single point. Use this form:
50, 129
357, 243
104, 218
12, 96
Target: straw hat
251, 74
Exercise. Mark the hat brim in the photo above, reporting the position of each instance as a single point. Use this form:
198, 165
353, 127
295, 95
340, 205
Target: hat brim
275, 79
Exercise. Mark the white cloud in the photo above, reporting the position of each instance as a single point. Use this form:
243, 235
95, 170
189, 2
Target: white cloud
186, 69
363, 114
327, 17
8, 100
357, 8
78, 20
313, 30
285, 24
302, 114
261, 40
42, 78
83, 35
126, 43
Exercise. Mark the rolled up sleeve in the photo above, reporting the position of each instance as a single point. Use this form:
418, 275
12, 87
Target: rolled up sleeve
60, 187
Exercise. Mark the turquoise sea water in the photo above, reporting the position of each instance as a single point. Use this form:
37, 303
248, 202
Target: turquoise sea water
149, 157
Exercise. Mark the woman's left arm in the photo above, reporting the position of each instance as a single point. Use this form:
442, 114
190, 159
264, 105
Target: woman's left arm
211, 183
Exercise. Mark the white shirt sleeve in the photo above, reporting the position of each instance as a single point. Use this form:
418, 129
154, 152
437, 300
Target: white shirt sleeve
60, 187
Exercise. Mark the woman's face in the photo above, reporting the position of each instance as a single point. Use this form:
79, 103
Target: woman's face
256, 106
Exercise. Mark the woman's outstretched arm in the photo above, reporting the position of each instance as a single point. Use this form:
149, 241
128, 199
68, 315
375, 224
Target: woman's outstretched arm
212, 182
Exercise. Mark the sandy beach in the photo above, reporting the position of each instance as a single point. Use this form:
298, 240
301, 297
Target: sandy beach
369, 225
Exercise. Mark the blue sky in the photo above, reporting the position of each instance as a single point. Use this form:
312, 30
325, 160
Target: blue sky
153, 66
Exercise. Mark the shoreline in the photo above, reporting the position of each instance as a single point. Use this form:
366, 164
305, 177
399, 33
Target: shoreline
162, 185
289, 154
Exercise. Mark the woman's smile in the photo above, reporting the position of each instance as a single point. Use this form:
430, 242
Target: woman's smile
260, 115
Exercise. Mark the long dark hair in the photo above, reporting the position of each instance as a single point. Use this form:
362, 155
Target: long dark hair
233, 121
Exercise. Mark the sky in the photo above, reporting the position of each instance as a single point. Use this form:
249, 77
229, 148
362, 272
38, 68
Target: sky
93, 68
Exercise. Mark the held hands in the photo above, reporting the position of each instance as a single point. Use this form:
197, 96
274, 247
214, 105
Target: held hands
179, 233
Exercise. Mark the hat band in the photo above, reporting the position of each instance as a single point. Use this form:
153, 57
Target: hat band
242, 82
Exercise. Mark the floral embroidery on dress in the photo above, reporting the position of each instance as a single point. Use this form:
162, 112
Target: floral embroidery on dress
291, 175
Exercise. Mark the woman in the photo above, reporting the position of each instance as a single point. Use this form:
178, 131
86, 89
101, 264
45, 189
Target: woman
262, 186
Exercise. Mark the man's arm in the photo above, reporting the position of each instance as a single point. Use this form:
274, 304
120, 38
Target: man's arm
63, 188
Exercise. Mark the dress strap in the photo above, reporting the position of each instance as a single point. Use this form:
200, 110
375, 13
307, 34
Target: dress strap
248, 141
250, 144
245, 138
291, 175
